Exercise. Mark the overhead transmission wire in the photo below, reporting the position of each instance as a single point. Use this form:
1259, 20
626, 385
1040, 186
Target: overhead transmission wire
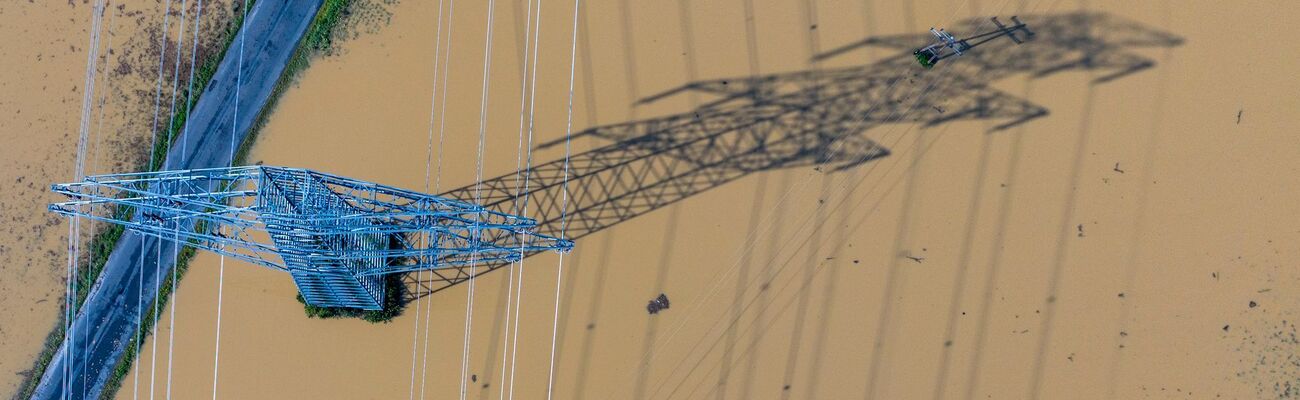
478, 195
94, 155
442, 124
532, 108
514, 287
234, 134
158, 299
103, 98
564, 203
74, 224
189, 98
153, 142
194, 51
895, 115
523, 91
428, 160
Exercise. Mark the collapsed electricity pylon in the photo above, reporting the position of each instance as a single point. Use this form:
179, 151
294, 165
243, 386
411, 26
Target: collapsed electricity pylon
337, 237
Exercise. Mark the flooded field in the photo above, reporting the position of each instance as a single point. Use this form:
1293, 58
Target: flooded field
1136, 241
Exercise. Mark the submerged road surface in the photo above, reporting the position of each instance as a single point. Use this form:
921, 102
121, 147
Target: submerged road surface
108, 320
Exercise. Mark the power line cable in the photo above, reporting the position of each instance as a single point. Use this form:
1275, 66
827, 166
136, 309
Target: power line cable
437, 185
478, 195
189, 98
149, 164
428, 160
234, 134
564, 203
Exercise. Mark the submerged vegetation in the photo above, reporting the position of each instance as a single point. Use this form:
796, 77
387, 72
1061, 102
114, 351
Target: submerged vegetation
393, 305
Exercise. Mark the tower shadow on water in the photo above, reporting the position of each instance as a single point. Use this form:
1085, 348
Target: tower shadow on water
330, 232
817, 118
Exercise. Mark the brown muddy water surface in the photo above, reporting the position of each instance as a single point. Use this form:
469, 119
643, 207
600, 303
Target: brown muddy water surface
1139, 241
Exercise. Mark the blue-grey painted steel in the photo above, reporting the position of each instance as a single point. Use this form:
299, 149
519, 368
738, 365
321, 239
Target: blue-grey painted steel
335, 236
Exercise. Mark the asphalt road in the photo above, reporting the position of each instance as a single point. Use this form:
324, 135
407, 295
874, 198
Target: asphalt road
107, 322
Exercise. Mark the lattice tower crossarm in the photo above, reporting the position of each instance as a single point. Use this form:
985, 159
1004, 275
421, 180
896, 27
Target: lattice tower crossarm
337, 237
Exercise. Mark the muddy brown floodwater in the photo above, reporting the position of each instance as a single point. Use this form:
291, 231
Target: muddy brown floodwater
1138, 241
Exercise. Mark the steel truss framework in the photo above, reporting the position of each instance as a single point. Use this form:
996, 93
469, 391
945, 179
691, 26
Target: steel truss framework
335, 236
798, 119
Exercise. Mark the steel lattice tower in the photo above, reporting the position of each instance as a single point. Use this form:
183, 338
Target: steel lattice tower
337, 237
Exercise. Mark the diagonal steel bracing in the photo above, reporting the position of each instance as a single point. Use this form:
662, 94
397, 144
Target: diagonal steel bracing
335, 236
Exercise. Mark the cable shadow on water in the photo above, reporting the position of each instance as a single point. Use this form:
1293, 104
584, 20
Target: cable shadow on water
892, 272
657, 162
742, 279
1145, 175
652, 324
593, 312
827, 291
490, 359
964, 260
764, 123
603, 250
991, 277
1060, 255
760, 327
780, 121
793, 353
804, 297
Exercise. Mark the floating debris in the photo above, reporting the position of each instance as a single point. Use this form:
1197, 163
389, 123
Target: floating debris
658, 304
